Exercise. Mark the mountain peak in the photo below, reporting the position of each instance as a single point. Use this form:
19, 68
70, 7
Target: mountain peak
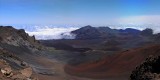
86, 32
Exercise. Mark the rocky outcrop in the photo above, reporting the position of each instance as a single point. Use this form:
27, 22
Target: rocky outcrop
148, 70
13, 68
11, 36
8, 73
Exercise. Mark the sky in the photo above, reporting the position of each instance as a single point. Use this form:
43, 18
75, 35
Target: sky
48, 19
79, 12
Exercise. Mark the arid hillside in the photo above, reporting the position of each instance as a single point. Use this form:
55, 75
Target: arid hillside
118, 65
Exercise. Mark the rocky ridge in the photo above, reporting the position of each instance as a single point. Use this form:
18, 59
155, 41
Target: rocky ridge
148, 70
12, 36
12, 64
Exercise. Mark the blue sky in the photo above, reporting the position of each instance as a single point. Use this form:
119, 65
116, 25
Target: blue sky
80, 12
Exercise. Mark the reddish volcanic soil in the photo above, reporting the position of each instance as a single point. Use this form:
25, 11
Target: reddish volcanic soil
117, 66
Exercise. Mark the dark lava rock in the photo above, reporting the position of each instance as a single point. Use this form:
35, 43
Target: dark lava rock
148, 70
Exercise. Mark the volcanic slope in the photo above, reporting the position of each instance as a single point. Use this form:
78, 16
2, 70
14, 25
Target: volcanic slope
117, 66
20, 51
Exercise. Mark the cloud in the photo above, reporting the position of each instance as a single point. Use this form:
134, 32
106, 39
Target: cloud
53, 33
141, 22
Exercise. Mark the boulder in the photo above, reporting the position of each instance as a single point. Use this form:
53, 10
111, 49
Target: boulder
27, 72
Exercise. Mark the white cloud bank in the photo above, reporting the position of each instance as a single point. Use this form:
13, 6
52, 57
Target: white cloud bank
137, 22
141, 22
53, 33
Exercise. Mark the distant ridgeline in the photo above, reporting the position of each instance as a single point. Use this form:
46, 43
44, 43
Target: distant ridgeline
89, 32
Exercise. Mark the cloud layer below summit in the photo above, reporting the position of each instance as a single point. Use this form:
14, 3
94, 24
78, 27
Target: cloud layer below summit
52, 33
